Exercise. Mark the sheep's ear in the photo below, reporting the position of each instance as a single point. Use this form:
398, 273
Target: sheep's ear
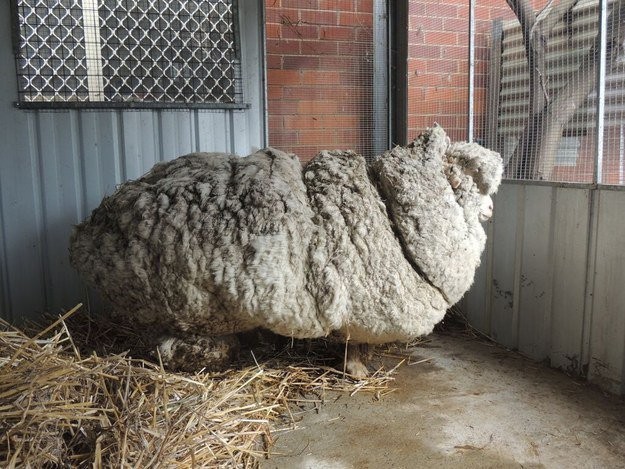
455, 182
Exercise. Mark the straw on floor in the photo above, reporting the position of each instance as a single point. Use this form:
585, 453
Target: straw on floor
61, 407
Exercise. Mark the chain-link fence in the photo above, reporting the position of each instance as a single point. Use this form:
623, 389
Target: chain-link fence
144, 51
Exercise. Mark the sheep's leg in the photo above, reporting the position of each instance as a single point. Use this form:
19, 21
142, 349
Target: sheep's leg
193, 353
353, 361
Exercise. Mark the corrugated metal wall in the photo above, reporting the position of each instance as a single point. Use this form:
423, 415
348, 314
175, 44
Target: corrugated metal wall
55, 167
552, 282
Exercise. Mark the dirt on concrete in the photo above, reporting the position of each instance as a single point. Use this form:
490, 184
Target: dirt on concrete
472, 404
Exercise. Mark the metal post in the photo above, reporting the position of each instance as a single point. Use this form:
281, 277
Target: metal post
381, 61
471, 69
389, 73
263, 64
621, 156
398, 27
601, 72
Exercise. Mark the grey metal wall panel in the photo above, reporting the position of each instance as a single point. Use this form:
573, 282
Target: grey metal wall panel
239, 126
140, 142
475, 302
551, 248
213, 130
4, 277
177, 134
254, 86
100, 154
534, 302
607, 344
55, 167
60, 186
21, 224
571, 219
503, 324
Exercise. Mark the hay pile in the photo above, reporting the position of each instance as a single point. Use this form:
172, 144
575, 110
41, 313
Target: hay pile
60, 407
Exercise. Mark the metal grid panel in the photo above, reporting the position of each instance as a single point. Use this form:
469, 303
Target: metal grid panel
545, 126
51, 57
613, 148
547, 132
141, 51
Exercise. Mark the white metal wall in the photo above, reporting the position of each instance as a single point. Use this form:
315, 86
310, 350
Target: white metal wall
55, 167
552, 282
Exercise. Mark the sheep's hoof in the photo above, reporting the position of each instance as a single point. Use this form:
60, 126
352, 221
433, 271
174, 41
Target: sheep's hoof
354, 365
195, 353
357, 369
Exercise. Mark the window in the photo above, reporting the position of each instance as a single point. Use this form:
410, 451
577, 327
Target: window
128, 53
566, 154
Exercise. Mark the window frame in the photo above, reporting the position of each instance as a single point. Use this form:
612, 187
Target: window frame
130, 104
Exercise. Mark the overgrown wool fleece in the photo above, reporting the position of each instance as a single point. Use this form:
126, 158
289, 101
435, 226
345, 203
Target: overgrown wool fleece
212, 244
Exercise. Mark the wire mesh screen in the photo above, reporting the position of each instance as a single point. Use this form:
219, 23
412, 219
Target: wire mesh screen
542, 118
135, 51
51, 57
320, 71
438, 65
546, 114
613, 160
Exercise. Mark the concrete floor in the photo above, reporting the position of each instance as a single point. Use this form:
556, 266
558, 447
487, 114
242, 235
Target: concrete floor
472, 405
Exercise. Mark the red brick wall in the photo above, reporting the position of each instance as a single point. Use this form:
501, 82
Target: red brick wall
319, 58
584, 169
319, 74
612, 160
438, 53
319, 70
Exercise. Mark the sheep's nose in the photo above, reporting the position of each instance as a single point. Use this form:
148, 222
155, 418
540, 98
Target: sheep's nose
486, 212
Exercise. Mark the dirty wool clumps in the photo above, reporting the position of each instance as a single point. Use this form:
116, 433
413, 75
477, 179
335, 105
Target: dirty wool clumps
438, 224
210, 244
207, 244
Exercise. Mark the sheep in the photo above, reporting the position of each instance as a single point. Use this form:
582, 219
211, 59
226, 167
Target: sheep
210, 245
469, 164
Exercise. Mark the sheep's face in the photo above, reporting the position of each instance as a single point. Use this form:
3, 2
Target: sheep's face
463, 182
486, 208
